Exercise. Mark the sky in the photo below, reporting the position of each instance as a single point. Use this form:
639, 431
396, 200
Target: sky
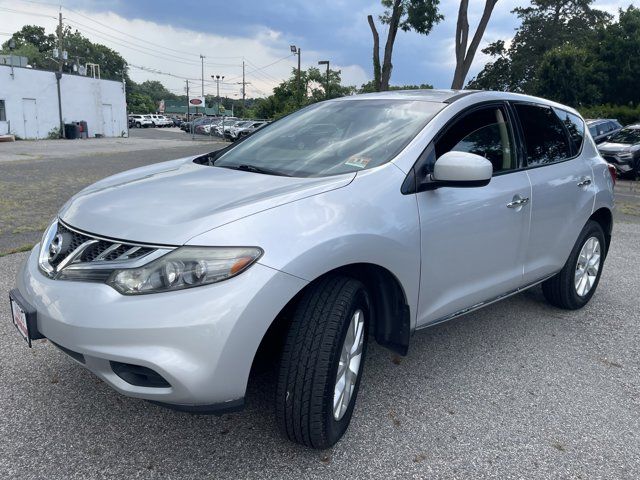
163, 39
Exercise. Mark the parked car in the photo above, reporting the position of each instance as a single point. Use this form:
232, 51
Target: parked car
177, 122
140, 121
223, 127
623, 151
193, 124
161, 121
245, 131
422, 206
601, 129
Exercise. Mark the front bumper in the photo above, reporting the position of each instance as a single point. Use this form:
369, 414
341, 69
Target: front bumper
202, 340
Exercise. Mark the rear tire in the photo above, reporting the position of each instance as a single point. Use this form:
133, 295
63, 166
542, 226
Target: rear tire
138, 125
322, 359
573, 286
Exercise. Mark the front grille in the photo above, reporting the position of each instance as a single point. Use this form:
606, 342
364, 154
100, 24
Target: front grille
69, 249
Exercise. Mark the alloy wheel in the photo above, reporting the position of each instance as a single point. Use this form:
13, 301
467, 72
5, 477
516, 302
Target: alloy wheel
587, 266
348, 365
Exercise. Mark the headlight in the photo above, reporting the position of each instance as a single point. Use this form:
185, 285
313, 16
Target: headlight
185, 267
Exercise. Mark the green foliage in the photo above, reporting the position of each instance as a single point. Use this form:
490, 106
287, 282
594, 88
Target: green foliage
619, 53
546, 24
568, 75
288, 97
417, 15
626, 114
140, 103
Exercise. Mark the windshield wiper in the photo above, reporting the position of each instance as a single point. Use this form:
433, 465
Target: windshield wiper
254, 169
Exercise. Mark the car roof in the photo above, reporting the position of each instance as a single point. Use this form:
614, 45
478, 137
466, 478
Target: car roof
452, 96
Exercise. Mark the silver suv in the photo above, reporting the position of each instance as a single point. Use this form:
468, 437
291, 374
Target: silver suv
365, 217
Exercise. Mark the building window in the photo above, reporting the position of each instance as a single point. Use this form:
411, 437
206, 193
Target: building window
3, 112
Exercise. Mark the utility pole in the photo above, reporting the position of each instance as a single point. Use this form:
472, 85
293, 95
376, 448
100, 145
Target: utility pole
326, 88
189, 109
202, 57
59, 73
297, 51
244, 84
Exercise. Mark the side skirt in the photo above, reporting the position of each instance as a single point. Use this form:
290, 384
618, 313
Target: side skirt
480, 305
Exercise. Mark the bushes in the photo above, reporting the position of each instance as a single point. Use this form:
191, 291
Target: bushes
626, 114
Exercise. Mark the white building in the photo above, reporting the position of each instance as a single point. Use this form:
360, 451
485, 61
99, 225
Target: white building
29, 103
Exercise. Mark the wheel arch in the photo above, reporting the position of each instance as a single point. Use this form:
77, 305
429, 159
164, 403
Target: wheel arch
604, 217
391, 324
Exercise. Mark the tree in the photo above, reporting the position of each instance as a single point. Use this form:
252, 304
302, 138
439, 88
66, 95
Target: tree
567, 74
619, 50
546, 24
417, 15
284, 99
464, 53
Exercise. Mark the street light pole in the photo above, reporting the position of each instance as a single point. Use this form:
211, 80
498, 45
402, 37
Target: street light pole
326, 88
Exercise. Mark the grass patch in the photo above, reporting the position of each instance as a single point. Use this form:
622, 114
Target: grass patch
24, 248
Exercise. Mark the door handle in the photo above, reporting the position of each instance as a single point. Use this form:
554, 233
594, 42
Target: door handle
518, 202
584, 182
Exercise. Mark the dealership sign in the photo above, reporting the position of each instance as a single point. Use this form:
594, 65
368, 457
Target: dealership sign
196, 102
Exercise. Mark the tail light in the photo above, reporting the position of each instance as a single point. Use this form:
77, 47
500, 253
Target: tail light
613, 172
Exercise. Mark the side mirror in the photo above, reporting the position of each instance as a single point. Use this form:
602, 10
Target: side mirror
461, 169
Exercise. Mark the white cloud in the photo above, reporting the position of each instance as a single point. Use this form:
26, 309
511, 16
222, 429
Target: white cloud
159, 49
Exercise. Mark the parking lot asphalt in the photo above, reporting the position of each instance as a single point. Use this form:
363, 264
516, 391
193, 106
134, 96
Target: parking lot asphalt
516, 390
34, 188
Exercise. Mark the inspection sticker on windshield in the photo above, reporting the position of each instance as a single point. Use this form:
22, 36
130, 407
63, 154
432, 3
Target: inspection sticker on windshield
359, 162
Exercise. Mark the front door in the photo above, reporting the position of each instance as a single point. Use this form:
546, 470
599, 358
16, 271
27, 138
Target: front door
107, 120
474, 239
30, 118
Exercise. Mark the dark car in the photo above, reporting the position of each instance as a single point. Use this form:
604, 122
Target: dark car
622, 150
602, 128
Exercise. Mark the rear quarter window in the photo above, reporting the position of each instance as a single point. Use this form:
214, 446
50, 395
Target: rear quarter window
575, 126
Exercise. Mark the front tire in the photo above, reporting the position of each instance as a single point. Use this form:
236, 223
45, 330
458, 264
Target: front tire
575, 284
322, 361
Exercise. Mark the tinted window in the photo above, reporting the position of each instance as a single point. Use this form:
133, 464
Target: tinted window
626, 135
544, 136
329, 138
483, 132
593, 131
575, 127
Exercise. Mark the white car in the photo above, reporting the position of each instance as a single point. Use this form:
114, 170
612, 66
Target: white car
161, 121
140, 121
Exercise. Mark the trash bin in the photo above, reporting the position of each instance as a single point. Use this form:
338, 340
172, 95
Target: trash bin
82, 129
71, 131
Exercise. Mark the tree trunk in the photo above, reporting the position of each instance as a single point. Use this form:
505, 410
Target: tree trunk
376, 53
464, 56
385, 76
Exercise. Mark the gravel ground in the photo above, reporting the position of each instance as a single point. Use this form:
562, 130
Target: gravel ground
33, 190
517, 390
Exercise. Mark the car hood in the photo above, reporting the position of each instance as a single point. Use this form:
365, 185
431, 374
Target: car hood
610, 147
171, 202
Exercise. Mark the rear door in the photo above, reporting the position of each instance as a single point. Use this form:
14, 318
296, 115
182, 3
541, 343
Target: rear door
561, 183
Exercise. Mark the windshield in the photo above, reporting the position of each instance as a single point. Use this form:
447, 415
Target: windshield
626, 135
330, 138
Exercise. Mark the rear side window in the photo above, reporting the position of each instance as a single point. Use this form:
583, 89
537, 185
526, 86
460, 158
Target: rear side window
544, 136
575, 127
